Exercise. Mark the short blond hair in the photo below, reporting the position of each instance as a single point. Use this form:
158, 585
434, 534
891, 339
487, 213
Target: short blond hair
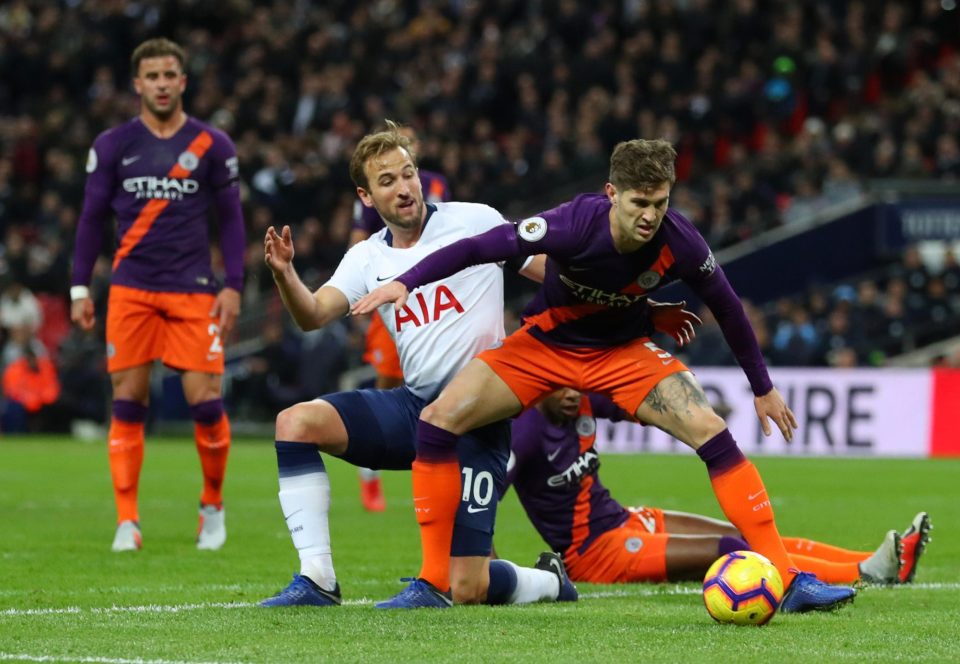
643, 164
375, 144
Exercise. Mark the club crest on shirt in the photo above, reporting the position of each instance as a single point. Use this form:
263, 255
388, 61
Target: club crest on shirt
532, 229
188, 161
586, 426
91, 161
648, 279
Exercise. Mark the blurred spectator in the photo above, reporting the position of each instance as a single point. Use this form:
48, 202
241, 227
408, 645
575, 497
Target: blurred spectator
30, 387
20, 319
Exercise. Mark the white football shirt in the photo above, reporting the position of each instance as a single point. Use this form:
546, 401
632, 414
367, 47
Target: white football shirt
446, 323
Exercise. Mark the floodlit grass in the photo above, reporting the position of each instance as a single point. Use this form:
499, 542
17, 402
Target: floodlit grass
65, 597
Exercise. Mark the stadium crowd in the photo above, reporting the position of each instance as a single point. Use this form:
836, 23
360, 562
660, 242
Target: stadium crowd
777, 111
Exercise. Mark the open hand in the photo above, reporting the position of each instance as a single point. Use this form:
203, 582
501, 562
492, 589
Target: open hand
278, 250
394, 292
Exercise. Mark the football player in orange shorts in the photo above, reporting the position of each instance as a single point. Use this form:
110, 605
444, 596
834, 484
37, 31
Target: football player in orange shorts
554, 468
589, 327
159, 174
380, 352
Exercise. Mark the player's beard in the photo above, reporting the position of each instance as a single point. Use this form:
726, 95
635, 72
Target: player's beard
163, 113
405, 223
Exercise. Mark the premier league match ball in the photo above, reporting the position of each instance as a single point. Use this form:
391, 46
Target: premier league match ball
742, 588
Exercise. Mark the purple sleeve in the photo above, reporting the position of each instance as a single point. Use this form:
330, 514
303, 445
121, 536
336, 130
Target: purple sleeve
717, 293
225, 180
98, 192
366, 219
233, 240
497, 244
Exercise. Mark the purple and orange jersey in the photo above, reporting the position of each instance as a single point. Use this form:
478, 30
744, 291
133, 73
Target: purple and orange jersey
435, 190
161, 191
592, 295
553, 468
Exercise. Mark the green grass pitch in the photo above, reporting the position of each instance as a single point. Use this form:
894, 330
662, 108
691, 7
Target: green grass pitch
65, 597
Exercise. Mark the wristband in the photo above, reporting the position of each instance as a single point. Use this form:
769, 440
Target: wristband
79, 293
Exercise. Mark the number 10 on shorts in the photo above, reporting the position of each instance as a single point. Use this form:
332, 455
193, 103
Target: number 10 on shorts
479, 486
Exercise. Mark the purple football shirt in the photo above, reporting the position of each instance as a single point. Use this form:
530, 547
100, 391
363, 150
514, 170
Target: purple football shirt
161, 191
435, 190
592, 295
552, 464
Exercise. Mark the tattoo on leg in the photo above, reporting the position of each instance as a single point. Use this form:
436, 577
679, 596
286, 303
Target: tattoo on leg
674, 394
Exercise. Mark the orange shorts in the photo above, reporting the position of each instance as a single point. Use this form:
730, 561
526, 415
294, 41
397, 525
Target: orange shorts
626, 373
143, 326
381, 351
633, 553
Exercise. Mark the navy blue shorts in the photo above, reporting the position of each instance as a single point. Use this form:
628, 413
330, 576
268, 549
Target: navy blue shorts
382, 434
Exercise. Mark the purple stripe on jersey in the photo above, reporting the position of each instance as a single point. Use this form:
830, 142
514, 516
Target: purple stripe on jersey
721, 453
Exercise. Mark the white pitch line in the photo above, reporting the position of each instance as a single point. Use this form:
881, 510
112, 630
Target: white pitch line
22, 657
636, 590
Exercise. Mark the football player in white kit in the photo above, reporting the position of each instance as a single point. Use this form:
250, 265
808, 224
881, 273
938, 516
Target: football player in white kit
444, 325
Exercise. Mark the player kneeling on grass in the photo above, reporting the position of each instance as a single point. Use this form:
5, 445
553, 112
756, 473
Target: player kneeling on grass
554, 468
453, 320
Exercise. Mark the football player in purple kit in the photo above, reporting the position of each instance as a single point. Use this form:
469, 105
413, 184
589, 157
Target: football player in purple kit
380, 352
589, 327
159, 174
555, 469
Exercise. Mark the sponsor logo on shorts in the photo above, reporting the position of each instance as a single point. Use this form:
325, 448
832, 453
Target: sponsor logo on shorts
633, 544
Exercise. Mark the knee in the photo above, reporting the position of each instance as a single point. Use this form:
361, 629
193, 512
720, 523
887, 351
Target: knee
293, 424
467, 590
438, 417
706, 426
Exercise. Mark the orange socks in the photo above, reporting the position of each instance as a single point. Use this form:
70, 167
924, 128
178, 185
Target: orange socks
436, 497
798, 546
125, 449
744, 500
213, 446
827, 571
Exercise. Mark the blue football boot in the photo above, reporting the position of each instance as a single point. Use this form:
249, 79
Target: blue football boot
551, 562
302, 591
420, 594
808, 593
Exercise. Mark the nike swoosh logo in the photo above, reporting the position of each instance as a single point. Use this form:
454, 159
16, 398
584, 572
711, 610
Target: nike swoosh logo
116, 441
386, 278
293, 513
126, 161
666, 362
473, 510
551, 457
754, 495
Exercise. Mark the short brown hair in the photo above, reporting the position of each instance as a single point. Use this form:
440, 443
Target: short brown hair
372, 145
642, 164
155, 48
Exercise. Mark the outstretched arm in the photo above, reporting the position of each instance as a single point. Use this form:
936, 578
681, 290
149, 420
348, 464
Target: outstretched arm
497, 244
310, 310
